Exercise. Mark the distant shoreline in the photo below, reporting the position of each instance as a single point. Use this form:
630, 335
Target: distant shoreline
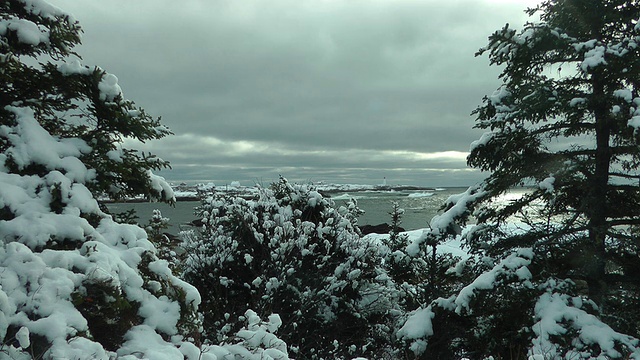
381, 188
324, 191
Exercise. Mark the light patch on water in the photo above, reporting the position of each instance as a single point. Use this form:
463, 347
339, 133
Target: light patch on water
421, 194
510, 196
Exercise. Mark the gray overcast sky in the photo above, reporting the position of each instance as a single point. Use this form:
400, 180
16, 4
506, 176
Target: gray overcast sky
344, 91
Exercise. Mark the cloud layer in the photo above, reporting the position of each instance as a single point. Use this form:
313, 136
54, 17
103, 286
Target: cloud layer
333, 90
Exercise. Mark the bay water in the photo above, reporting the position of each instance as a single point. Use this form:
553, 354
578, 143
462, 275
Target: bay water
419, 207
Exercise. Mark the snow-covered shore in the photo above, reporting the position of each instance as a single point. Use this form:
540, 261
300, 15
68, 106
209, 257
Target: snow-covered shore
186, 192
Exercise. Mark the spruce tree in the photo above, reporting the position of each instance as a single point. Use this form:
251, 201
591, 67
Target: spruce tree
40, 70
563, 259
565, 120
74, 283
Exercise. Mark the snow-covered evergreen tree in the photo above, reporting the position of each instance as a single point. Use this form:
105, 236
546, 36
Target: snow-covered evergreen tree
74, 283
565, 122
291, 252
419, 276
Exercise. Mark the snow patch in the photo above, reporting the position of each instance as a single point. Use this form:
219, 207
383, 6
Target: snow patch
547, 184
109, 88
420, 195
624, 94
483, 141
593, 58
26, 31
557, 314
73, 67
577, 101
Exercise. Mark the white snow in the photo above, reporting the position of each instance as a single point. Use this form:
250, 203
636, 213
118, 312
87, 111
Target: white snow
624, 94
442, 223
577, 101
547, 184
499, 95
451, 246
27, 31
44, 9
259, 334
418, 325
514, 263
161, 314
23, 337
420, 195
585, 45
32, 143
483, 141
41, 282
634, 122
526, 35
73, 67
593, 58
109, 88
557, 314
159, 184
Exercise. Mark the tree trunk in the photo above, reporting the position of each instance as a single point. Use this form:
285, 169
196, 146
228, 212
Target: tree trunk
598, 203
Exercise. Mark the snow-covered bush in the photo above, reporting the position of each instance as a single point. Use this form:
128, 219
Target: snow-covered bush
166, 244
290, 252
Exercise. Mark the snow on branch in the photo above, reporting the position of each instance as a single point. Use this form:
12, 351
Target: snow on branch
26, 31
561, 315
513, 265
458, 206
32, 144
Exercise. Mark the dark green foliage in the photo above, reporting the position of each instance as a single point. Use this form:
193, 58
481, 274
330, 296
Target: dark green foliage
571, 135
62, 127
565, 124
68, 102
423, 276
167, 245
108, 312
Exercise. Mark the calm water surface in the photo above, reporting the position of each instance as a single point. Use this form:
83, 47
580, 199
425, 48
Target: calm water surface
419, 206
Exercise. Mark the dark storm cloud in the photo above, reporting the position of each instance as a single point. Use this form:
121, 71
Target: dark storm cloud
323, 89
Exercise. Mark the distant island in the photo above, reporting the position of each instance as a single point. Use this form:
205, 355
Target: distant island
186, 192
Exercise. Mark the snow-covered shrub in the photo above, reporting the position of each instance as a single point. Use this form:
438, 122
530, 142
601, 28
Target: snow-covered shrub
255, 340
166, 244
290, 252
